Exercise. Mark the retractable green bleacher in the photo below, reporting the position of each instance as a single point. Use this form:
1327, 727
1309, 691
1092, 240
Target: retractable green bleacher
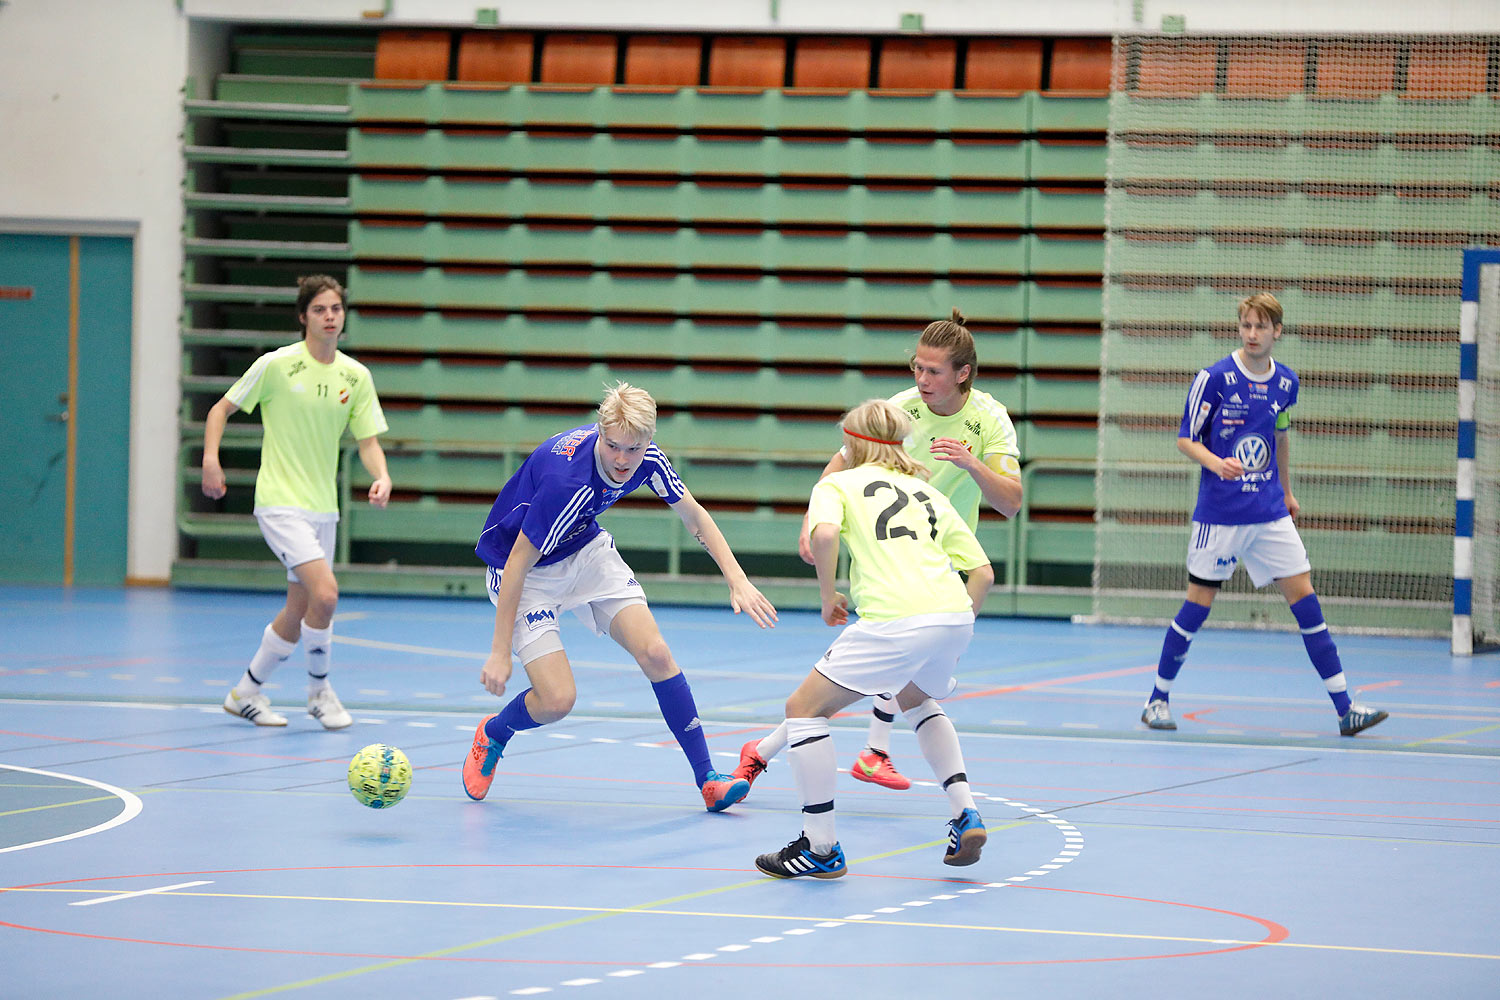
753, 230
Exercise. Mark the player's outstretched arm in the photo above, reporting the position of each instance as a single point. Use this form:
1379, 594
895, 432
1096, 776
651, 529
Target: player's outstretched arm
497, 666
372, 456
743, 595
213, 433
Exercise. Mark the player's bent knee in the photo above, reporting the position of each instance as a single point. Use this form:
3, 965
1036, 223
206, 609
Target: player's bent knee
552, 705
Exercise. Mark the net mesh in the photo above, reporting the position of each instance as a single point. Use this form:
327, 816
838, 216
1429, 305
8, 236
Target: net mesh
1486, 600
1344, 176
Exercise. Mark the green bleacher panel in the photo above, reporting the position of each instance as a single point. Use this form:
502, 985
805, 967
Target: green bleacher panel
1291, 257
1305, 349
1379, 308
257, 88
1065, 254
614, 337
1350, 399
689, 109
1296, 163
256, 180
1067, 159
1060, 302
1076, 347
522, 152
1443, 211
1055, 553
689, 202
1065, 208
1063, 113
679, 385
1351, 445
203, 111
1056, 438
685, 294
606, 247
286, 138
1050, 485
222, 202
266, 249
1298, 115
1050, 394
312, 54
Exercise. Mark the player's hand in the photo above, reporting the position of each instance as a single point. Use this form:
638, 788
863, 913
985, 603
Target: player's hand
747, 598
804, 544
953, 450
380, 491
213, 479
496, 673
1292, 506
1230, 469
836, 611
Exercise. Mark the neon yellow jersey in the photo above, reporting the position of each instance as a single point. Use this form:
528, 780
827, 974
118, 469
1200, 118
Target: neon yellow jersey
905, 541
305, 406
983, 425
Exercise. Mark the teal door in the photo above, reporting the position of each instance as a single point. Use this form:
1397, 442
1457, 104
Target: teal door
65, 324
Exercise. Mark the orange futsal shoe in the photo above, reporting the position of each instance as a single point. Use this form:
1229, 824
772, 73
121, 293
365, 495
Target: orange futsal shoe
876, 767
479, 765
752, 765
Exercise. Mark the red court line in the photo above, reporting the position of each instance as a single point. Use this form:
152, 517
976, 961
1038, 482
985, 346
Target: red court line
1378, 685
1275, 932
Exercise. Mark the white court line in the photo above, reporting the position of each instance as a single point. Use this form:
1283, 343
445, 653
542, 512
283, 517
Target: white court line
131, 810
141, 892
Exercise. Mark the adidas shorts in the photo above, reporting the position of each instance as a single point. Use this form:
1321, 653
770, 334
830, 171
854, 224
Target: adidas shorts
594, 583
881, 658
297, 536
1269, 551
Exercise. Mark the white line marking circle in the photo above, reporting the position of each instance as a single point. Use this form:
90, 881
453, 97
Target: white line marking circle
131, 810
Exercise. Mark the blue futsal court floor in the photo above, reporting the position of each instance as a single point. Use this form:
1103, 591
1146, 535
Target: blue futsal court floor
152, 846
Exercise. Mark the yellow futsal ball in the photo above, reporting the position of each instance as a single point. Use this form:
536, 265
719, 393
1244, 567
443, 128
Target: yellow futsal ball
379, 776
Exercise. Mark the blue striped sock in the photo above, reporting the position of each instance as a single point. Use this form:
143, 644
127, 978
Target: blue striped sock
681, 715
1190, 618
512, 719
1322, 651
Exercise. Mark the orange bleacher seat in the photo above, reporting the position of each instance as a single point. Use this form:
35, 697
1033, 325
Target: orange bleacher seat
1177, 68
1004, 64
495, 57
412, 55
831, 63
1355, 69
579, 59
917, 64
1456, 69
747, 62
663, 60
1080, 64
1265, 69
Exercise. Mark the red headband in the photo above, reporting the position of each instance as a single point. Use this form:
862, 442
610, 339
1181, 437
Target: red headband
874, 440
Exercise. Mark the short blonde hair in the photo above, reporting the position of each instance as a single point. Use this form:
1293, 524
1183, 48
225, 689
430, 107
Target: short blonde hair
628, 408
1264, 303
885, 422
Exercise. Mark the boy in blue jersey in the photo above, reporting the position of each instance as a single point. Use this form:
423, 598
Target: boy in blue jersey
547, 554
1235, 425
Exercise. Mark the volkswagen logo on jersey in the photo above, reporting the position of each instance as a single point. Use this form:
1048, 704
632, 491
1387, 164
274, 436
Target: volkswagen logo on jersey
1253, 452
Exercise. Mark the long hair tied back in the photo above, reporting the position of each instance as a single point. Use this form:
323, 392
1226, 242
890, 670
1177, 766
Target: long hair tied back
952, 336
878, 422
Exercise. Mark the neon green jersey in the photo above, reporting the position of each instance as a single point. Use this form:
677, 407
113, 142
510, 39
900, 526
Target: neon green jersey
983, 425
305, 406
905, 541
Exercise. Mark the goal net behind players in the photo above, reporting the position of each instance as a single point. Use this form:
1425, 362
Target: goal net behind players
1344, 176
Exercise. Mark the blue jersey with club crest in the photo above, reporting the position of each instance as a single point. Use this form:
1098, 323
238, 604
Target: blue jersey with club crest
1237, 414
558, 493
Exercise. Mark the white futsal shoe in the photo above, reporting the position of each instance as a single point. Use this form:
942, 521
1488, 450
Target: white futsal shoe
327, 709
255, 707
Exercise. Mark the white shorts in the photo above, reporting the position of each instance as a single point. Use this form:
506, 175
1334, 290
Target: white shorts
1270, 551
594, 583
881, 658
297, 536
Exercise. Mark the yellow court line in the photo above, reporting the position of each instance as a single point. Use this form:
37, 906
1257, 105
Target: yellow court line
60, 805
653, 909
1453, 736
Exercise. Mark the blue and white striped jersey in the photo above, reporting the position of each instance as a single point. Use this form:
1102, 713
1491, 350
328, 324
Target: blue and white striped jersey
1234, 413
557, 494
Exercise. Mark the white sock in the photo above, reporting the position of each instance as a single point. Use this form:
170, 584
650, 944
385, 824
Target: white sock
317, 646
272, 653
881, 716
815, 769
939, 742
772, 744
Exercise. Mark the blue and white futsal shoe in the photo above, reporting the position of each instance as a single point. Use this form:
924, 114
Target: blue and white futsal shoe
798, 859
966, 837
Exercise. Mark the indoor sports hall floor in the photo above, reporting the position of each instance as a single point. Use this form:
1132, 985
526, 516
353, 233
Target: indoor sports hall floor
152, 846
